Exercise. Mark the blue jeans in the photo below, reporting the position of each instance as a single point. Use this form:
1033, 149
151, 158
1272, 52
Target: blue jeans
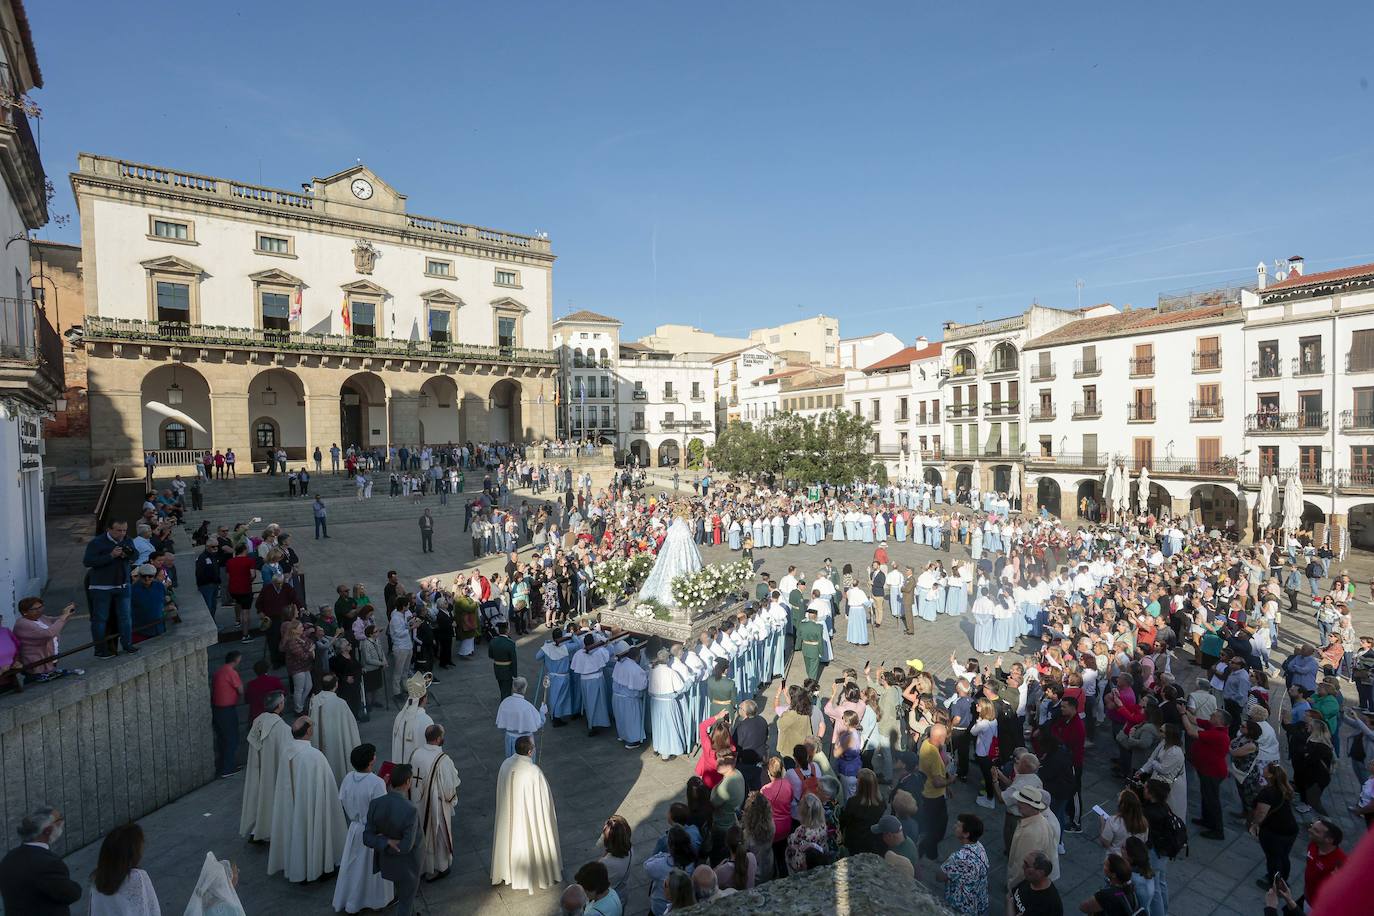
1315, 585
321, 527
211, 595
102, 600
225, 720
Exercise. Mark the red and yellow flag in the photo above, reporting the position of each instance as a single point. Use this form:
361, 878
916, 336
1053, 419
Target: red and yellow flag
347, 317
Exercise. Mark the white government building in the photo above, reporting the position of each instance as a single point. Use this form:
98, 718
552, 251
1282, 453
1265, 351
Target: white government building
221, 314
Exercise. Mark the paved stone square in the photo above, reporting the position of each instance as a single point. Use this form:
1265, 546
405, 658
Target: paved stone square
594, 778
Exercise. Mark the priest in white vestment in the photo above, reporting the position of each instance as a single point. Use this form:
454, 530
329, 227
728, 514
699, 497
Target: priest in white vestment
525, 851
434, 792
267, 739
308, 825
336, 730
408, 731
516, 716
358, 886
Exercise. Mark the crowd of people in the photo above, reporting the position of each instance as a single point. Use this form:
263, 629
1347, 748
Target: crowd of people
1151, 636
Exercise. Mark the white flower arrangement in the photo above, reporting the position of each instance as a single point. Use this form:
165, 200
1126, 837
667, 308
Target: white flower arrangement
711, 584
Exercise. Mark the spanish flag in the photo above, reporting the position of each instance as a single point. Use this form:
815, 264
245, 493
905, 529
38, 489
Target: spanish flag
347, 318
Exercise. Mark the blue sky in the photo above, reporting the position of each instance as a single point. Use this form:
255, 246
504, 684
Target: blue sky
739, 164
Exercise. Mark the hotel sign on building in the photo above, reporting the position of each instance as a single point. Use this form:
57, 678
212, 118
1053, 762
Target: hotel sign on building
221, 314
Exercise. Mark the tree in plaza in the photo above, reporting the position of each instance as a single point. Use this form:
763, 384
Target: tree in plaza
830, 448
696, 454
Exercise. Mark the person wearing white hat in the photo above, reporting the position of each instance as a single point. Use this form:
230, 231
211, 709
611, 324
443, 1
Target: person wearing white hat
1034, 833
408, 731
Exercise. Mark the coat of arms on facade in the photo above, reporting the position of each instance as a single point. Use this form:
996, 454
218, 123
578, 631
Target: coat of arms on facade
364, 257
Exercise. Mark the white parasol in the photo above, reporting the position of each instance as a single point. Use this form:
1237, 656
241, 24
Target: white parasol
1265, 509
918, 471
1143, 488
1014, 488
1292, 504
1274, 516
172, 413
1121, 493
977, 482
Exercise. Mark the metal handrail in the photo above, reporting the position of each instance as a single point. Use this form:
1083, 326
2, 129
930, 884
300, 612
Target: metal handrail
112, 641
102, 505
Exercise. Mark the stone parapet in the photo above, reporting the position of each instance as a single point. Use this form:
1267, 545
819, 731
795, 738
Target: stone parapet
862, 885
126, 738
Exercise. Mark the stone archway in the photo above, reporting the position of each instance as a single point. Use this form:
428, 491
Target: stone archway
932, 477
640, 450
277, 397
669, 455
439, 413
1090, 490
963, 477
505, 419
1158, 501
176, 396
1312, 515
1048, 496
1219, 508
1360, 519
363, 419
1001, 478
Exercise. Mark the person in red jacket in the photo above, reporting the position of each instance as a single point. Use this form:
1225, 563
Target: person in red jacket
1324, 856
1073, 734
1211, 748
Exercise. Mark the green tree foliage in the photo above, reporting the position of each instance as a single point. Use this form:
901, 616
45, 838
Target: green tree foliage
831, 448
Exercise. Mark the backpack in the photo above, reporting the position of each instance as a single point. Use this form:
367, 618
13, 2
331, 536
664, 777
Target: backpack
1173, 839
811, 783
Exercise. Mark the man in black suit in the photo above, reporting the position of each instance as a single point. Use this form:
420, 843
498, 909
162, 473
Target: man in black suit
393, 830
33, 879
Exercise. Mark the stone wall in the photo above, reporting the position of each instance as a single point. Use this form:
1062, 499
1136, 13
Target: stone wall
129, 736
862, 885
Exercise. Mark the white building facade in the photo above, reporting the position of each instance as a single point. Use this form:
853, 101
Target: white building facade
733, 373
899, 395
1309, 381
1147, 388
858, 352
31, 365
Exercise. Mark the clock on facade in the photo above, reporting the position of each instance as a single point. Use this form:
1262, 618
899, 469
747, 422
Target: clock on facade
362, 188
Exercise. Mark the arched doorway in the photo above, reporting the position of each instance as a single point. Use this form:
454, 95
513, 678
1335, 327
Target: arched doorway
362, 411
440, 418
276, 409
933, 477
1047, 496
669, 455
1217, 505
963, 477
1001, 478
639, 451
176, 409
1088, 499
964, 364
1157, 501
1311, 515
505, 422
1003, 357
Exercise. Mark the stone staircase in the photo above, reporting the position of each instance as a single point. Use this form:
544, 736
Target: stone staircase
74, 498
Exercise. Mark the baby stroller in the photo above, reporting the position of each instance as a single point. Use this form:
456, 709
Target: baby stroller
489, 615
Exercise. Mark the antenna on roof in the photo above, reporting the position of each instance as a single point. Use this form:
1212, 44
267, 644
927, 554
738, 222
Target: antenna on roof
1078, 285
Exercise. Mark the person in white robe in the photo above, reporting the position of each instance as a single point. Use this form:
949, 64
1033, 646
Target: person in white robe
434, 792
408, 731
308, 826
214, 893
517, 715
267, 739
588, 664
336, 730
525, 850
667, 686
628, 683
359, 887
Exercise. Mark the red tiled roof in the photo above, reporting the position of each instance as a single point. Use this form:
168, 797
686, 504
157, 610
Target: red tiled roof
1325, 276
1129, 322
781, 374
905, 357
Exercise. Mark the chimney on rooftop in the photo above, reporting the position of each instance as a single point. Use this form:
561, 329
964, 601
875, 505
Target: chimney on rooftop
922, 342
1295, 265
1262, 276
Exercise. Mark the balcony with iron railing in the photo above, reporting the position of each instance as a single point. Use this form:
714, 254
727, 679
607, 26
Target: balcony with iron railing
1359, 362
31, 359
1311, 477
1069, 460
1042, 372
1223, 466
23, 167
1042, 411
1001, 408
1206, 360
1002, 367
1087, 368
1266, 367
143, 331
959, 411
1087, 410
1206, 410
1140, 412
1357, 419
1142, 366
1308, 366
1299, 421
1361, 479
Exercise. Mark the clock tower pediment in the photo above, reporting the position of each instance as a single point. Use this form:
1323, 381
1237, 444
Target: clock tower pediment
358, 193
